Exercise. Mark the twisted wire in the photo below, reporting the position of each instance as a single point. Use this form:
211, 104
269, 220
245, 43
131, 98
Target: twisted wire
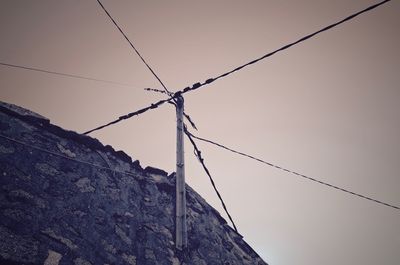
201, 160
293, 172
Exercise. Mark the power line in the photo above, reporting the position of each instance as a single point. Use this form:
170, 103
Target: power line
129, 115
63, 74
211, 80
159, 91
292, 172
170, 94
201, 160
198, 154
133, 47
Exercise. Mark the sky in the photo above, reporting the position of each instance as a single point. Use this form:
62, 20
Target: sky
328, 108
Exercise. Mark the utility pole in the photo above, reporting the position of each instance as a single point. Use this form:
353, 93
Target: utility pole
180, 224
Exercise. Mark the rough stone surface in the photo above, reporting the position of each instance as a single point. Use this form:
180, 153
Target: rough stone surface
67, 199
53, 258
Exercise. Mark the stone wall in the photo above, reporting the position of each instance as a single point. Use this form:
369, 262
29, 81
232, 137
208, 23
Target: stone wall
67, 199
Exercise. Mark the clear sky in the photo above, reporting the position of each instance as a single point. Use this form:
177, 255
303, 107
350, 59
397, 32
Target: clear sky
328, 108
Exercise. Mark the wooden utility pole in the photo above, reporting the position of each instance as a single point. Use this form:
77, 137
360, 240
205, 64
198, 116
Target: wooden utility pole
180, 224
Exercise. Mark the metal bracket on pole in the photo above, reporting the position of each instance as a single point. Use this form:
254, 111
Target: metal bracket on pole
180, 223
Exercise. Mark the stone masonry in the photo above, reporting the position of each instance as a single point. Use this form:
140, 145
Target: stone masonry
67, 199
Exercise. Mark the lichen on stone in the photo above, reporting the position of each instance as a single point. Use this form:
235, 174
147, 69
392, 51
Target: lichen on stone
49, 232
80, 261
149, 254
108, 247
83, 185
65, 151
122, 235
21, 194
114, 194
40, 203
129, 214
130, 259
53, 258
46, 169
6, 150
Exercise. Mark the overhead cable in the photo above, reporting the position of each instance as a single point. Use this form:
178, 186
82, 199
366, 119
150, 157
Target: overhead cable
293, 172
131, 44
197, 152
159, 91
103, 167
211, 80
63, 74
169, 93
129, 115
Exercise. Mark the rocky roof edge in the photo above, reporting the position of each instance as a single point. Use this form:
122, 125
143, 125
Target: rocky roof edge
42, 122
38, 120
